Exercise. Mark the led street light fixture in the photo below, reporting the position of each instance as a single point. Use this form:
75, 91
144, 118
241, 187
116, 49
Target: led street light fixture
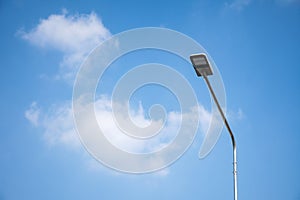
201, 64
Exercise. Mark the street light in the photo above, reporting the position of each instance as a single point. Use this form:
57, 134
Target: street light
203, 68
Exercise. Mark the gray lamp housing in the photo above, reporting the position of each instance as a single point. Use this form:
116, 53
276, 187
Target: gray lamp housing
201, 64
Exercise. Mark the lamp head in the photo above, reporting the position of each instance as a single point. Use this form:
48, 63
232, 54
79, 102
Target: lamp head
201, 64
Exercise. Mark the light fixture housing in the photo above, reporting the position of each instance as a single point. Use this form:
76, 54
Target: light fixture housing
201, 64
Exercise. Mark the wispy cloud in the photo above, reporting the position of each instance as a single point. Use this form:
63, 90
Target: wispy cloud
56, 124
287, 2
73, 35
33, 114
236, 115
238, 5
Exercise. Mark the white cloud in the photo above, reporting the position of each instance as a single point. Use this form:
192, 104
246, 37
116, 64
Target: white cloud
236, 115
117, 137
58, 128
238, 5
73, 35
58, 125
163, 172
33, 114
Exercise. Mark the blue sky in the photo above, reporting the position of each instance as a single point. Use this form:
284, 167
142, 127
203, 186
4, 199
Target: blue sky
254, 43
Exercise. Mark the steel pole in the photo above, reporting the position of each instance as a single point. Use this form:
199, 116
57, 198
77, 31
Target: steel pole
231, 136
